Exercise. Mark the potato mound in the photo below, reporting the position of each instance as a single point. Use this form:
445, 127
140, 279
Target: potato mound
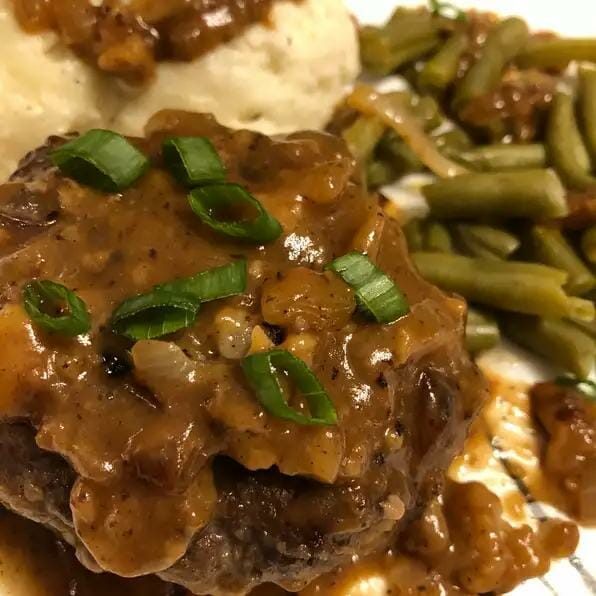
279, 77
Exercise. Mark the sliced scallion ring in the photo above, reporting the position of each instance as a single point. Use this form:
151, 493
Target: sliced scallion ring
212, 284
101, 159
55, 308
376, 293
262, 370
586, 387
193, 161
211, 201
155, 314
174, 305
447, 10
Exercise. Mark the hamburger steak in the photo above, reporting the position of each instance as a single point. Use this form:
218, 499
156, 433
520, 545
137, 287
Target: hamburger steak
158, 456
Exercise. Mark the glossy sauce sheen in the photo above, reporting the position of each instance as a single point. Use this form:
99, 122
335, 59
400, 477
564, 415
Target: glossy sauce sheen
142, 443
33, 562
128, 38
469, 540
39, 565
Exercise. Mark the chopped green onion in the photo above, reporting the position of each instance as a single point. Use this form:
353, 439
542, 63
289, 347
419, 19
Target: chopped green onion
155, 314
585, 386
102, 159
41, 297
174, 305
447, 10
376, 294
193, 161
262, 370
207, 201
213, 284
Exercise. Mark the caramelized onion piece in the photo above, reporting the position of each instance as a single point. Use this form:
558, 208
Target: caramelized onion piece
569, 420
233, 327
397, 115
162, 367
20, 357
130, 529
306, 300
19, 204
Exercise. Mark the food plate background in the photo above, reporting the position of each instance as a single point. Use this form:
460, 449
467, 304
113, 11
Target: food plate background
576, 576
577, 18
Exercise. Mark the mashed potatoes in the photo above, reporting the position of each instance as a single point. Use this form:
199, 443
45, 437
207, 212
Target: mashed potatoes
44, 90
276, 78
273, 78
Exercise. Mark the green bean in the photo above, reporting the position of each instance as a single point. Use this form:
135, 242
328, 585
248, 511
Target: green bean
565, 147
363, 135
496, 240
534, 194
399, 117
472, 247
482, 332
501, 157
588, 243
406, 37
551, 248
379, 172
557, 52
441, 70
428, 110
558, 341
438, 238
588, 327
502, 284
503, 43
414, 235
412, 52
555, 275
587, 107
454, 139
399, 154
424, 107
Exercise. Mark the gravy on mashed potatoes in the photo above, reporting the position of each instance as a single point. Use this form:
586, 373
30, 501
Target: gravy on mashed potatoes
283, 74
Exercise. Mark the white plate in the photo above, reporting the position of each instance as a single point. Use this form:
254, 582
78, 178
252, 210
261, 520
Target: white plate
568, 17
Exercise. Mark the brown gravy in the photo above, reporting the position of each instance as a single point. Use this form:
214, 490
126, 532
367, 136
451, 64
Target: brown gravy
33, 562
127, 39
470, 541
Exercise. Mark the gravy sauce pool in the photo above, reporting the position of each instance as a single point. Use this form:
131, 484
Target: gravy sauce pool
128, 38
470, 540
33, 562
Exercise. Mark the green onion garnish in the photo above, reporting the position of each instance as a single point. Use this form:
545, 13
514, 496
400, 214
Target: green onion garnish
447, 10
376, 294
193, 161
174, 305
55, 308
262, 371
155, 314
585, 386
102, 159
212, 201
213, 284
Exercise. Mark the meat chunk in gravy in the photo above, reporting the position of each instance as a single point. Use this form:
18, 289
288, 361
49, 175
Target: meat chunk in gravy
168, 461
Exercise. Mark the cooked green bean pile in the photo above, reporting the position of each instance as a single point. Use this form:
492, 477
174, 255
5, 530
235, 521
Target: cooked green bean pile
509, 131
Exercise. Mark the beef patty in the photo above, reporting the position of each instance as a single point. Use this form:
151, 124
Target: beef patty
157, 457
